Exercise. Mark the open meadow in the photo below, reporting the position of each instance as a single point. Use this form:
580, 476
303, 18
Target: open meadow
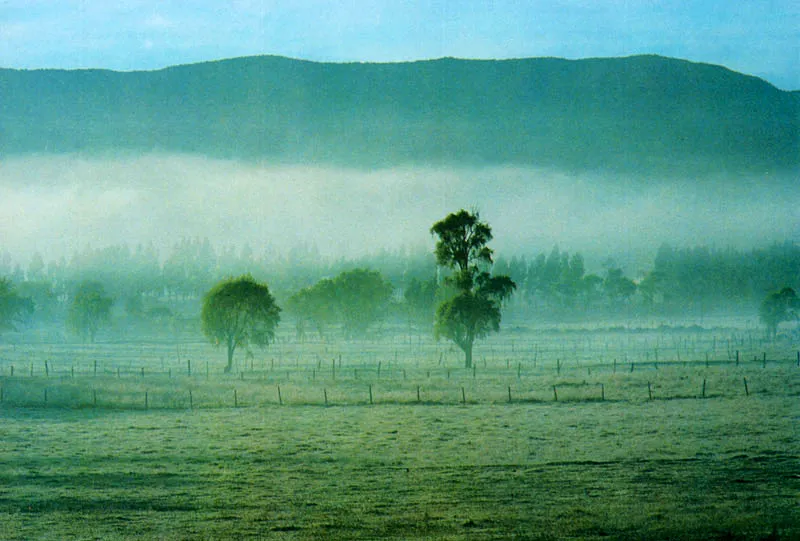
667, 432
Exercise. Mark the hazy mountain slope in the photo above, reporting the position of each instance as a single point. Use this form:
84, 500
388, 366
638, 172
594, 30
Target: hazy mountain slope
645, 114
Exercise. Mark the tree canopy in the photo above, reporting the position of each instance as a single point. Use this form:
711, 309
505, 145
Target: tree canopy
473, 311
356, 298
13, 307
239, 312
315, 304
89, 310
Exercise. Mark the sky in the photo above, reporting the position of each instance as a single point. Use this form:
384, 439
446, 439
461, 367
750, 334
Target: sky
757, 37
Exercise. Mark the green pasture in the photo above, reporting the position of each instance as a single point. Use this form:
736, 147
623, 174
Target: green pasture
554, 436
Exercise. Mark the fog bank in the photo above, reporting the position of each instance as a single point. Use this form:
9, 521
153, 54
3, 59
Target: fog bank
56, 205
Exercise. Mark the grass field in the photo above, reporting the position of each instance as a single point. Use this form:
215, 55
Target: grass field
652, 436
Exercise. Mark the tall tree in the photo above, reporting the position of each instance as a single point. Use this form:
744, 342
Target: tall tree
778, 307
239, 312
89, 310
474, 310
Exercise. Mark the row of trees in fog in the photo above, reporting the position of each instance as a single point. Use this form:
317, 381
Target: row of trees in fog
353, 297
238, 312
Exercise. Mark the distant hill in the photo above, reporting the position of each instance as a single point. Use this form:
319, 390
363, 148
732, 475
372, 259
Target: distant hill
643, 114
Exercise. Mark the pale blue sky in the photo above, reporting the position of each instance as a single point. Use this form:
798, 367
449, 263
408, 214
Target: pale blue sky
759, 37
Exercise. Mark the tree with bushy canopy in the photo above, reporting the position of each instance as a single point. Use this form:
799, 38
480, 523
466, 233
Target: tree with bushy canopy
474, 310
89, 310
239, 312
362, 298
315, 304
13, 307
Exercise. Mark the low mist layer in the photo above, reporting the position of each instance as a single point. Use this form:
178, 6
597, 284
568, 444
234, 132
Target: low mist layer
56, 205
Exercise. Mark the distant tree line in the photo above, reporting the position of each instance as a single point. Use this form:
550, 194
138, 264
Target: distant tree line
350, 296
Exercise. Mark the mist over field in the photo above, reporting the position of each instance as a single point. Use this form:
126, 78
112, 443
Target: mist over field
56, 205
233, 261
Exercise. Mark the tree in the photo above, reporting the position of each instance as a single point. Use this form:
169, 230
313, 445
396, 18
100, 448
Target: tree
239, 312
316, 304
13, 307
474, 309
420, 298
617, 287
89, 310
778, 307
362, 298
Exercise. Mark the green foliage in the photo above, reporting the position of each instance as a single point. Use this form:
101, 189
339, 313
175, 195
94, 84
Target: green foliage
13, 307
617, 287
357, 299
474, 311
43, 300
315, 304
778, 307
420, 302
239, 312
89, 310
362, 298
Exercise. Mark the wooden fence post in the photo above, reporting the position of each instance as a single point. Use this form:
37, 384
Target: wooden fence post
746, 390
370, 394
555, 394
280, 398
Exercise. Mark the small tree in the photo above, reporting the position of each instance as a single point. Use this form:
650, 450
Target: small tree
474, 311
239, 312
89, 310
13, 307
778, 307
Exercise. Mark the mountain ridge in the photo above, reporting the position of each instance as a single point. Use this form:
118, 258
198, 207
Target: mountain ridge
645, 114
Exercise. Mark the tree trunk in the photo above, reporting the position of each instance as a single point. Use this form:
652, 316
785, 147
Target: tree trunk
468, 355
231, 349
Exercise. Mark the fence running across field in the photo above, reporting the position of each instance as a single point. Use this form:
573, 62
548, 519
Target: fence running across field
563, 367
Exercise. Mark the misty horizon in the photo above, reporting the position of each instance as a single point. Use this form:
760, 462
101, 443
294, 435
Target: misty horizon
59, 205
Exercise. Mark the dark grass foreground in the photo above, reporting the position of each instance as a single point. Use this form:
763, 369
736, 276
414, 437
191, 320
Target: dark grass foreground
682, 469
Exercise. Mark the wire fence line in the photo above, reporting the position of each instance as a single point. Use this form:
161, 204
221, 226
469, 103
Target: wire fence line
519, 366
327, 384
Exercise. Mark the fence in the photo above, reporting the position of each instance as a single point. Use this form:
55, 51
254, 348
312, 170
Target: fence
274, 382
